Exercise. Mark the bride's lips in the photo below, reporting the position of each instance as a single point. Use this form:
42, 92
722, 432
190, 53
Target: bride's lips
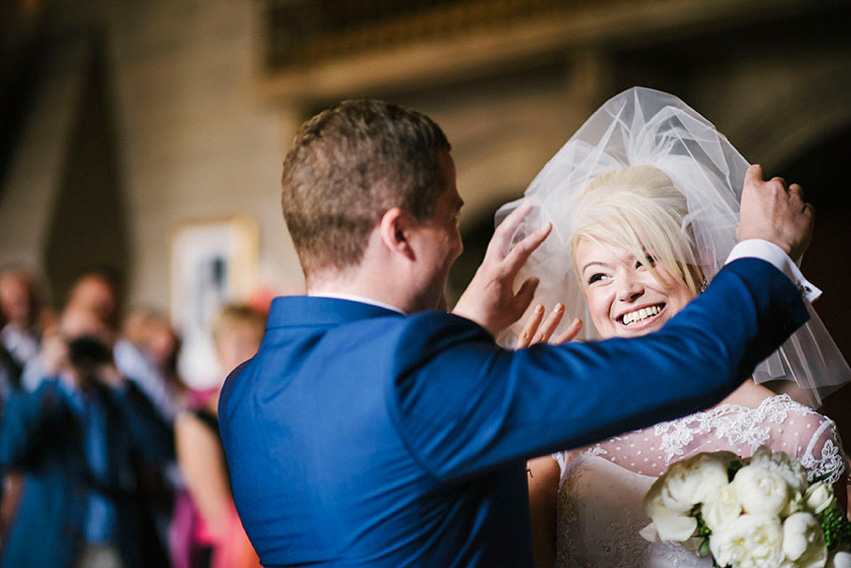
638, 320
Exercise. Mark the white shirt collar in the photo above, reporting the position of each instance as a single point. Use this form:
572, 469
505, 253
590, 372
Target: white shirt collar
355, 298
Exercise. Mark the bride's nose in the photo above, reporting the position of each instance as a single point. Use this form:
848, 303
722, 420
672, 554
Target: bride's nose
629, 289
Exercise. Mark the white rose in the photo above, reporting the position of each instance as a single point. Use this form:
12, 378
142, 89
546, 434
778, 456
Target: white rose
819, 496
761, 491
783, 465
840, 560
803, 541
722, 507
749, 541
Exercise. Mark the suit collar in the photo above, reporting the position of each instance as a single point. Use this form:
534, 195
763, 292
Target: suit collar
289, 311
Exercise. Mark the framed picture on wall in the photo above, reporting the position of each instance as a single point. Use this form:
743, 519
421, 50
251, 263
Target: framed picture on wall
213, 262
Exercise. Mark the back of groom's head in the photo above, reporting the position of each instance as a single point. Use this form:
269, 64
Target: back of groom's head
349, 165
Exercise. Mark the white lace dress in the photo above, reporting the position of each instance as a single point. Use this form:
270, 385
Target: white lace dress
602, 487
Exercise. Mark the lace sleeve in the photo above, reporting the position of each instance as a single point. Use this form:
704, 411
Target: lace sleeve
817, 446
778, 422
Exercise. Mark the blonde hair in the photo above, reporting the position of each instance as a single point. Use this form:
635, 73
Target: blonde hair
639, 209
234, 317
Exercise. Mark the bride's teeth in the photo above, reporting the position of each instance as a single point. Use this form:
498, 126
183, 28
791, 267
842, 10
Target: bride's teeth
641, 314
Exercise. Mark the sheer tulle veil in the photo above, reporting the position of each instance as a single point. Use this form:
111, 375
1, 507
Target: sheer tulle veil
647, 127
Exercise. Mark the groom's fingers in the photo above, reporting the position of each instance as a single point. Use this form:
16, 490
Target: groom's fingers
501, 240
772, 211
754, 174
518, 254
796, 193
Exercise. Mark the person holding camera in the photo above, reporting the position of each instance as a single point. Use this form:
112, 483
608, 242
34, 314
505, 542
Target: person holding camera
79, 439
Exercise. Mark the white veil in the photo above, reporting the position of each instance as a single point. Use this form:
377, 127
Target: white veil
647, 127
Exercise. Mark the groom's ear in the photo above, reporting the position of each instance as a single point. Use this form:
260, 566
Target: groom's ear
395, 230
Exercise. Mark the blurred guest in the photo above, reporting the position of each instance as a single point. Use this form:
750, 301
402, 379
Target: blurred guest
207, 532
21, 322
77, 439
22, 319
162, 344
147, 353
98, 291
95, 291
136, 361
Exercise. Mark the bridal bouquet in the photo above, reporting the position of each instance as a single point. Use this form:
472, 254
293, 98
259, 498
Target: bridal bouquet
759, 512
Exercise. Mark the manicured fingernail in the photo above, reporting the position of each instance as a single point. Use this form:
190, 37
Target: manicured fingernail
559, 307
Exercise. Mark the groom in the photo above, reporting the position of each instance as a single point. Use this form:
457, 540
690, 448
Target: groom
375, 429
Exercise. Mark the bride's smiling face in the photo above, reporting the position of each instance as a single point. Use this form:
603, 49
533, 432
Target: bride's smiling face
624, 299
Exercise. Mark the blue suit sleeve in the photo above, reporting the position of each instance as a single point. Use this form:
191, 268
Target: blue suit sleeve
464, 406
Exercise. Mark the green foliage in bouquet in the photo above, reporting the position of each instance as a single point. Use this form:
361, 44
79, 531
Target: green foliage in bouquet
836, 527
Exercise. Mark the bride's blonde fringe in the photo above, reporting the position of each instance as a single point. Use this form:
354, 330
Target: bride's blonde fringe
638, 209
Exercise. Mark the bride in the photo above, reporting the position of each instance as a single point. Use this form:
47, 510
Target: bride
644, 205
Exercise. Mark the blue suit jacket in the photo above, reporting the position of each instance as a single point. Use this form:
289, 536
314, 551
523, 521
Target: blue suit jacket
361, 437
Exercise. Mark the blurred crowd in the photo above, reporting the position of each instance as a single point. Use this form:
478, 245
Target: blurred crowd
108, 460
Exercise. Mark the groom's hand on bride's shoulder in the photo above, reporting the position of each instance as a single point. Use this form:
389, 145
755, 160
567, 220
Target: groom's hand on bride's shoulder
775, 212
490, 299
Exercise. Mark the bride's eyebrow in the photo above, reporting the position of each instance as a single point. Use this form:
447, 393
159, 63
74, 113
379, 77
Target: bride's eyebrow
587, 265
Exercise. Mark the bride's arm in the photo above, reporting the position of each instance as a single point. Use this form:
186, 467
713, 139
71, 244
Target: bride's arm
544, 471
543, 492
820, 451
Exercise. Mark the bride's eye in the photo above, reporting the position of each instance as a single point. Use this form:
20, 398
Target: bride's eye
596, 277
649, 260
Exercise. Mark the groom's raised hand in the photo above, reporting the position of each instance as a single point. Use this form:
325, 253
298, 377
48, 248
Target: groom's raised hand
776, 213
490, 299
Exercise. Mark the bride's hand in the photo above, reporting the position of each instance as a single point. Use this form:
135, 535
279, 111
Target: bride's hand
536, 332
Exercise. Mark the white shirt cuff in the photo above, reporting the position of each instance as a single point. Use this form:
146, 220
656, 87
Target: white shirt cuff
769, 252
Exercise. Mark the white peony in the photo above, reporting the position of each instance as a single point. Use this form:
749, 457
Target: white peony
671, 497
761, 491
691, 481
722, 507
795, 504
672, 526
840, 560
749, 541
783, 465
818, 497
803, 541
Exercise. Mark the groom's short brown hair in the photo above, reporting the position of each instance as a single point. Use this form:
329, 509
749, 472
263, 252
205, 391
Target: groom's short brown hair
350, 164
